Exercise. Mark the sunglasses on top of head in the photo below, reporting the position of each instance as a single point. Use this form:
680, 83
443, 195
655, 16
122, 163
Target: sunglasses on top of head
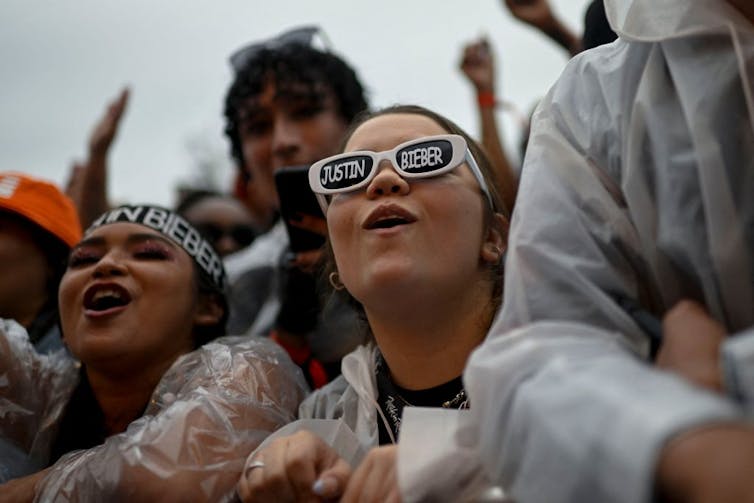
420, 158
310, 36
242, 234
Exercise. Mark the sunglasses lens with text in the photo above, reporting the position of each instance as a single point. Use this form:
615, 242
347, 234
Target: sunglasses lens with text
345, 172
425, 157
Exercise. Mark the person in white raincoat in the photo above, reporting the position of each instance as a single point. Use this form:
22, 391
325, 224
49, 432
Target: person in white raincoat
636, 194
154, 407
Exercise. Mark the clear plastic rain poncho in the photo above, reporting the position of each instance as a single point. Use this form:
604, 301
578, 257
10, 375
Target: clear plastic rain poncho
638, 184
343, 413
210, 410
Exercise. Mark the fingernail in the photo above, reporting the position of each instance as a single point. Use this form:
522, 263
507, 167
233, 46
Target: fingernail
325, 486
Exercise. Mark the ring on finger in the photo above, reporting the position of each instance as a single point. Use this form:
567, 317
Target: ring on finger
252, 465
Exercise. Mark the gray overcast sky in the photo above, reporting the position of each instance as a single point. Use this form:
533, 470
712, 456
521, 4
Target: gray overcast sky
63, 61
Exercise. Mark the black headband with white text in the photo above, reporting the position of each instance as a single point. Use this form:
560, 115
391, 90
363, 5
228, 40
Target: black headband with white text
174, 227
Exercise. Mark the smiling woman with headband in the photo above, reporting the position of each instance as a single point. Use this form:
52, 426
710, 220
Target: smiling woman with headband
154, 408
417, 234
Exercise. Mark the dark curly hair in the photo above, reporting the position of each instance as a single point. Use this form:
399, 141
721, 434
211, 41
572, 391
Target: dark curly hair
292, 68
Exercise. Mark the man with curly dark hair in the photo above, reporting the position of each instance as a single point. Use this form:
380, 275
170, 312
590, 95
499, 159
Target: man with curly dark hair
288, 105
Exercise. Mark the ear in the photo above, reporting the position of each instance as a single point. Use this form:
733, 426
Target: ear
208, 311
496, 240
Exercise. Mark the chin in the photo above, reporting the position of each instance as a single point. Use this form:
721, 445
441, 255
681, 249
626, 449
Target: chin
99, 345
94, 345
392, 281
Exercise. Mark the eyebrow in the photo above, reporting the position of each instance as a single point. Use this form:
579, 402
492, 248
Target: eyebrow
134, 238
253, 108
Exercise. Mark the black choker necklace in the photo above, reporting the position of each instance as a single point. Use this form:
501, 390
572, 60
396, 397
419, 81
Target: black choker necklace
392, 399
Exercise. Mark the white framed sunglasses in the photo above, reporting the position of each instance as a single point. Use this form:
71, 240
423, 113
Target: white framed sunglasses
425, 157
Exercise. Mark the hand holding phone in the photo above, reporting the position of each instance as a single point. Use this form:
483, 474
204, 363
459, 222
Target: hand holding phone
299, 209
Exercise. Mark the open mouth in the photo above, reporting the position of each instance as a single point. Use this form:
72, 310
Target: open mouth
387, 223
105, 297
389, 216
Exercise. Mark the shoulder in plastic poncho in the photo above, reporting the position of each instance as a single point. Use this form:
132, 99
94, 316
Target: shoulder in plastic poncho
344, 412
211, 408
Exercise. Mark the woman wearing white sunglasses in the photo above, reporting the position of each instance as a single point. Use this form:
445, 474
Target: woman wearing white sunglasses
417, 234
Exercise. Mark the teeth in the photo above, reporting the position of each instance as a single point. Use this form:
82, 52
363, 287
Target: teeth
106, 293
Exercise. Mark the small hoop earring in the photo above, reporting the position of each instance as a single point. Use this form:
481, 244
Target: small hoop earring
335, 281
498, 252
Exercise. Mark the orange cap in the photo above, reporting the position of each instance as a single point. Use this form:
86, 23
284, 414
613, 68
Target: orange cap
42, 203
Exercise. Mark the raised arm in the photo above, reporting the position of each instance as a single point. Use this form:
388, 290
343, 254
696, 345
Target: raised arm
478, 65
87, 183
539, 15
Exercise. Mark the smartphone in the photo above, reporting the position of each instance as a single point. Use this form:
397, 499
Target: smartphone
297, 198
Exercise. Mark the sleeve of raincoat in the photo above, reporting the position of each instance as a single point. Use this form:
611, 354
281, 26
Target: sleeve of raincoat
210, 410
738, 368
34, 389
569, 411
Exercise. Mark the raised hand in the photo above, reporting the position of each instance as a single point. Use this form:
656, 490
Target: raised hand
105, 130
87, 181
537, 13
478, 65
534, 12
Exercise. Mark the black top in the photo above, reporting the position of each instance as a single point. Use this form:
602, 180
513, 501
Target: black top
393, 398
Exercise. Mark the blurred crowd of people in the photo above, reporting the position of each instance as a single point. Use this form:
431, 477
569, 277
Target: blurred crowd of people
578, 328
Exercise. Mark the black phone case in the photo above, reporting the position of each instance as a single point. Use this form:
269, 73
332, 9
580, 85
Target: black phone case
296, 197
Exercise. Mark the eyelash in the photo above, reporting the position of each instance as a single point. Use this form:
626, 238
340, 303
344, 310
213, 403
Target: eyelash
153, 253
81, 258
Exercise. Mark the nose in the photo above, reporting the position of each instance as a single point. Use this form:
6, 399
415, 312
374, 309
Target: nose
109, 265
387, 181
286, 141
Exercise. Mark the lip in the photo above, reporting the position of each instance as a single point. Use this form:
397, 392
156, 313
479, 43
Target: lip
96, 287
386, 211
